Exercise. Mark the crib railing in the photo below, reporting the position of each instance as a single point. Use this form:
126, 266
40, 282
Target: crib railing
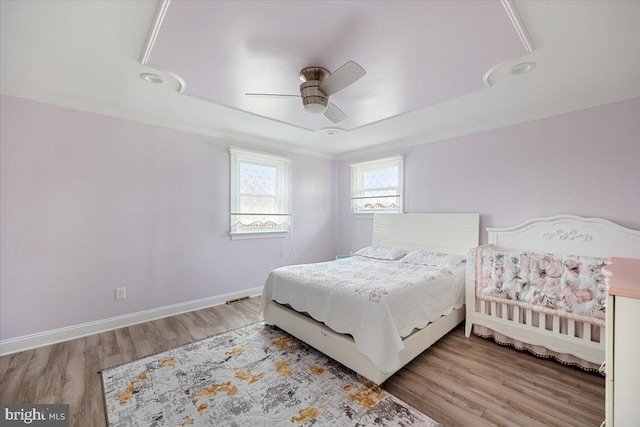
559, 334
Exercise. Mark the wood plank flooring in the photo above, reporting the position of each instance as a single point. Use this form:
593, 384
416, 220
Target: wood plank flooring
458, 381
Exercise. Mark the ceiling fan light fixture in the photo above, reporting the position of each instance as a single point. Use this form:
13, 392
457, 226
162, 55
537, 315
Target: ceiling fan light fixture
315, 108
522, 68
313, 99
318, 84
314, 73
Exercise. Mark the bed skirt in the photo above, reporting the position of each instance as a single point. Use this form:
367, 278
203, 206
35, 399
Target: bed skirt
539, 351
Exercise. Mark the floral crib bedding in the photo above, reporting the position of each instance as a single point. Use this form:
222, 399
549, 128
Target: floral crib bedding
569, 286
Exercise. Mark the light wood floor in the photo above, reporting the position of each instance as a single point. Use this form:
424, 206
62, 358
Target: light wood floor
458, 381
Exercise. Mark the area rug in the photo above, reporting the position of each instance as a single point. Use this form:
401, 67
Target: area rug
254, 376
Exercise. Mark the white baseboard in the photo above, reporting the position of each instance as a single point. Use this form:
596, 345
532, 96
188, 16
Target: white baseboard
40, 339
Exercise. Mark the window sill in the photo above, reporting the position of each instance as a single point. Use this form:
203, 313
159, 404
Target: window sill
258, 235
369, 215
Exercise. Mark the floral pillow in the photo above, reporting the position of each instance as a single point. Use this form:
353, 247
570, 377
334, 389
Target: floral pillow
436, 259
382, 252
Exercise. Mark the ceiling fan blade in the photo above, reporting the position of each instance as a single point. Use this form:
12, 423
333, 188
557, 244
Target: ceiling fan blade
342, 77
334, 114
271, 95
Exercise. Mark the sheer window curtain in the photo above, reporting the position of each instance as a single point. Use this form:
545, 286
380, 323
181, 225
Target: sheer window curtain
377, 186
260, 194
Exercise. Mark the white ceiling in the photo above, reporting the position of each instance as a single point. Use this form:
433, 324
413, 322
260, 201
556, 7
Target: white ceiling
434, 69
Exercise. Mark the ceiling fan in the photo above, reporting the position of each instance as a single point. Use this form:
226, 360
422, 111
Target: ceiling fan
318, 84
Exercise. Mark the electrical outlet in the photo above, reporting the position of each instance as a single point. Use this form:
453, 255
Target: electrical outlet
121, 293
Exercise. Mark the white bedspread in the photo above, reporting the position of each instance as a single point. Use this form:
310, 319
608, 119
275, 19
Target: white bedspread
377, 302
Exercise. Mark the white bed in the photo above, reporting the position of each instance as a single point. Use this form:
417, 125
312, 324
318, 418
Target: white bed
567, 340
447, 233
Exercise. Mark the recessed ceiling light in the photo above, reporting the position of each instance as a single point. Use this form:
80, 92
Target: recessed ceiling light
152, 78
331, 131
525, 67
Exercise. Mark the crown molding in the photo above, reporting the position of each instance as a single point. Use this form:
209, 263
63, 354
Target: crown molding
79, 104
523, 118
350, 155
512, 12
155, 29
518, 25
151, 40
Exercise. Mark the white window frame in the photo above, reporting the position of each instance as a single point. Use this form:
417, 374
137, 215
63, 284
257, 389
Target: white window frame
283, 212
358, 170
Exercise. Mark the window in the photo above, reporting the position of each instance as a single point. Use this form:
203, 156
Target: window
260, 194
376, 186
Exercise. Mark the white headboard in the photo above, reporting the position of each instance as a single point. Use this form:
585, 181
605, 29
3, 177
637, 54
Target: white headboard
569, 235
448, 233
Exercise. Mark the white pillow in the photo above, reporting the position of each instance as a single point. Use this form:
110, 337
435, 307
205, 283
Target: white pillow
436, 259
382, 252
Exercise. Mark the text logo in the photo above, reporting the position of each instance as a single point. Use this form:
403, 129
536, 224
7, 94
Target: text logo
35, 415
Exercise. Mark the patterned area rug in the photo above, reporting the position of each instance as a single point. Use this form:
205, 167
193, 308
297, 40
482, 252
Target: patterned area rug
254, 376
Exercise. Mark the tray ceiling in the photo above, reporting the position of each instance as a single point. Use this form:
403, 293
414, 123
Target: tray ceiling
434, 69
415, 53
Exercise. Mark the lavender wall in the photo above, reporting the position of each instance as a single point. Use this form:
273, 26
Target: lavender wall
584, 163
89, 203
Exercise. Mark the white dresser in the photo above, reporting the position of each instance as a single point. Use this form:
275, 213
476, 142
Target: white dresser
623, 343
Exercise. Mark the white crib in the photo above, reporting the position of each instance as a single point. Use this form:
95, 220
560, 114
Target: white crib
533, 330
